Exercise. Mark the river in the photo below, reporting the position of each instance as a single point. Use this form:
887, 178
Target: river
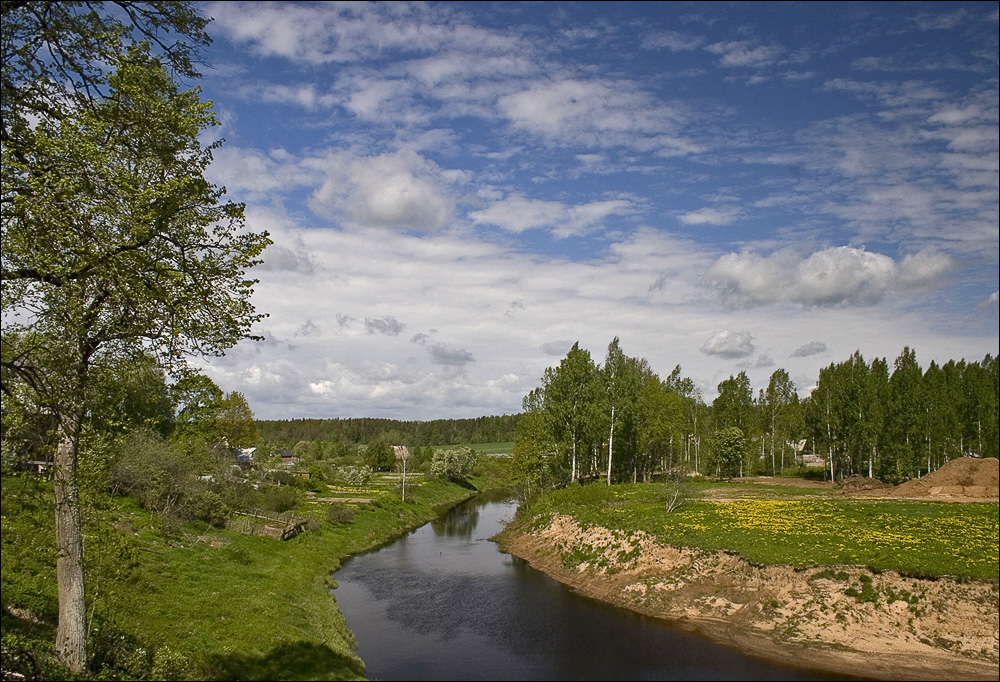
444, 603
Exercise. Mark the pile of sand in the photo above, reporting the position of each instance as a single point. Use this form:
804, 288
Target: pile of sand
962, 477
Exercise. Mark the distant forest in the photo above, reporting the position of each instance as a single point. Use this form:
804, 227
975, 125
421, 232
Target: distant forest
287, 432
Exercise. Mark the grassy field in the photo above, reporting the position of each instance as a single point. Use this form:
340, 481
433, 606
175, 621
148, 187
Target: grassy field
195, 602
780, 524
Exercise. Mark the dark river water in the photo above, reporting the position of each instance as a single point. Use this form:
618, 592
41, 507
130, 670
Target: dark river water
444, 603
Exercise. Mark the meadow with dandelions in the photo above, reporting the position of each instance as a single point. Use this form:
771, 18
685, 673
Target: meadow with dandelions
781, 525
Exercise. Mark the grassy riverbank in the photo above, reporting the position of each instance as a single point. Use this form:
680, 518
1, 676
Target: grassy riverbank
780, 524
195, 602
877, 587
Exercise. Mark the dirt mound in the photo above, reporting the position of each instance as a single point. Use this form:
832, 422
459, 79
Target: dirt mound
962, 477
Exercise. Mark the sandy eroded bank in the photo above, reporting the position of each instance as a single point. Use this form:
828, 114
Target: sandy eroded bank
915, 629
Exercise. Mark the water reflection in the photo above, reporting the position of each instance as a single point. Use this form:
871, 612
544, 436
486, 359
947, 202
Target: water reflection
457, 523
444, 603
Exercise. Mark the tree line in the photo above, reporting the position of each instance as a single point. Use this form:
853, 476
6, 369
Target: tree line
906, 423
486, 429
621, 421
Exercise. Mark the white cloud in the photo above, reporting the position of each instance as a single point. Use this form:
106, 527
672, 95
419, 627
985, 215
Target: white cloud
832, 277
991, 306
444, 354
742, 53
730, 344
556, 348
671, 40
401, 189
811, 348
709, 216
387, 325
256, 172
924, 268
516, 213
597, 112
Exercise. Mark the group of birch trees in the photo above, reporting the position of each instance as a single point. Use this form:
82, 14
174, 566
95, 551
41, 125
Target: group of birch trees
865, 420
621, 421
617, 421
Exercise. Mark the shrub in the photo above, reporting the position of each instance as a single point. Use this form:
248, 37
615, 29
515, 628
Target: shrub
277, 498
209, 507
455, 463
338, 512
353, 475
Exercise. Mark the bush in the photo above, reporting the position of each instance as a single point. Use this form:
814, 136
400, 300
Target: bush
277, 498
209, 507
455, 464
352, 475
338, 512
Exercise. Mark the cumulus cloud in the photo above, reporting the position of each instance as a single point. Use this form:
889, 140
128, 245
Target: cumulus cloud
598, 112
924, 268
258, 173
709, 216
811, 348
990, 306
832, 277
729, 344
278, 258
402, 189
444, 354
387, 325
556, 348
516, 213
307, 328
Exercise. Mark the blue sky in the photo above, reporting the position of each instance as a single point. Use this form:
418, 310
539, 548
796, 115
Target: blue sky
459, 192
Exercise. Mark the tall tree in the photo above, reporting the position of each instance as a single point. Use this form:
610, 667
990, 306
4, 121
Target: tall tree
905, 401
571, 395
734, 407
621, 380
236, 422
114, 244
734, 404
778, 400
660, 417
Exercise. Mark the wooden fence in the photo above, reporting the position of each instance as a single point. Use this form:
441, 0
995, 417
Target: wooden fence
278, 526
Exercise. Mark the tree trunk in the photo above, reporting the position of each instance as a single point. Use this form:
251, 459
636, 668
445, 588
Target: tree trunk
611, 443
71, 632
572, 476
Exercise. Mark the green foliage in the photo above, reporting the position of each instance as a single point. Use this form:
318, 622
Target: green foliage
728, 451
262, 609
902, 426
277, 498
455, 464
199, 402
338, 512
866, 593
534, 454
236, 422
379, 456
354, 475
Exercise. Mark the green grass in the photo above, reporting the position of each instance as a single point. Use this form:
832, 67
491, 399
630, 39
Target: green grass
504, 448
249, 608
786, 525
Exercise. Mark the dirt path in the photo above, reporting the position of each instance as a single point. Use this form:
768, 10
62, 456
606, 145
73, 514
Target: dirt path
918, 629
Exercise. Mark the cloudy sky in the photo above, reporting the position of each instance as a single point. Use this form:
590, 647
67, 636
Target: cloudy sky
459, 192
